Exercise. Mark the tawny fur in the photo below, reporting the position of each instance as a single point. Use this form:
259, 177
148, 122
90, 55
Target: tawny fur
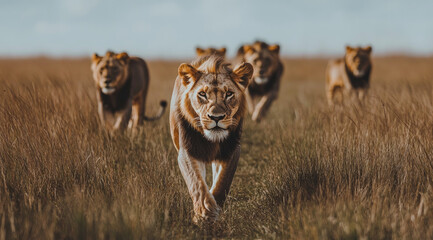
350, 76
265, 84
206, 115
122, 84
202, 52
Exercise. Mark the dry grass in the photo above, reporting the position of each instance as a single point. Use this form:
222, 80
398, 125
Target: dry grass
306, 172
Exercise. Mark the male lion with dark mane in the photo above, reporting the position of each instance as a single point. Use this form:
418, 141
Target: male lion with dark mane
122, 83
206, 116
202, 52
350, 75
268, 69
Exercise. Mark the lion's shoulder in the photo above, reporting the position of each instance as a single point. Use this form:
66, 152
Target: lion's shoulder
137, 63
334, 62
335, 65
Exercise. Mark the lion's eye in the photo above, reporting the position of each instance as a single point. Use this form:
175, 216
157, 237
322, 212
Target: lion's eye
229, 94
202, 93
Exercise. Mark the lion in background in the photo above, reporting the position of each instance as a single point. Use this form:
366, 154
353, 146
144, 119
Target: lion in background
265, 84
349, 76
122, 84
202, 52
206, 117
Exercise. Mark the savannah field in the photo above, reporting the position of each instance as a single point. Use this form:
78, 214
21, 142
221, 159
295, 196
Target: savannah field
306, 172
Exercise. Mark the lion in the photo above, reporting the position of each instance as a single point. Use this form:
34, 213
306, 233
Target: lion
122, 83
350, 75
201, 52
268, 69
206, 117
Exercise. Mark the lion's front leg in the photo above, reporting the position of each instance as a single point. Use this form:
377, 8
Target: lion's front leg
250, 101
263, 106
123, 117
194, 172
107, 119
223, 173
362, 94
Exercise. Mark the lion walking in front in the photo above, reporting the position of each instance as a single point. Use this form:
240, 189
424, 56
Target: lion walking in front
206, 116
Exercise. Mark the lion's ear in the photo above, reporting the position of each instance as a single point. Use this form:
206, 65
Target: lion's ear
248, 48
243, 73
199, 51
274, 48
240, 51
349, 48
123, 57
368, 49
222, 50
244, 49
96, 58
109, 53
95, 61
188, 74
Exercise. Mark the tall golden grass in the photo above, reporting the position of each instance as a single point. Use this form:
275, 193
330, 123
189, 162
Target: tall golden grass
306, 172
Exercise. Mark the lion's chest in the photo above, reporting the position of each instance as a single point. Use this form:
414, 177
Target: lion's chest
198, 147
358, 82
260, 89
118, 100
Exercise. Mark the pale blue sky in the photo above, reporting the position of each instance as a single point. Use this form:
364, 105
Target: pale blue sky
173, 28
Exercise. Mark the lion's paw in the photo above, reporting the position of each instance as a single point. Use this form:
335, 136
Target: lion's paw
206, 211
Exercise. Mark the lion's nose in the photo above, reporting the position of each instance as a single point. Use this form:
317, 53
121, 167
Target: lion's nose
108, 80
216, 118
262, 71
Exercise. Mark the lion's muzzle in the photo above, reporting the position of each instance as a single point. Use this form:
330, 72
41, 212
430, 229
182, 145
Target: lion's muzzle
216, 118
216, 122
216, 127
106, 87
261, 80
107, 81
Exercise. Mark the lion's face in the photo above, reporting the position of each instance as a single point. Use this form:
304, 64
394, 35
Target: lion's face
110, 71
216, 100
264, 58
209, 51
358, 60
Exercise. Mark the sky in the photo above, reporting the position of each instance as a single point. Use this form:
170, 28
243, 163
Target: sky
172, 29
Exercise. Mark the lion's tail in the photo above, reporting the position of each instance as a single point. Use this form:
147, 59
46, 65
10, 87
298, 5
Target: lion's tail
163, 105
